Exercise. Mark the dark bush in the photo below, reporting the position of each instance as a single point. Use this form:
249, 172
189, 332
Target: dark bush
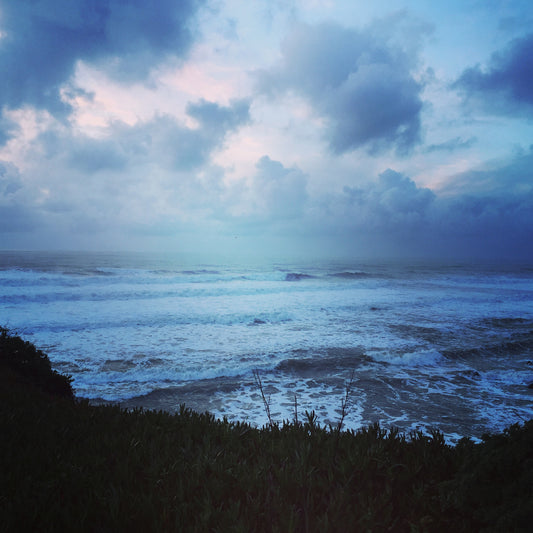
32, 365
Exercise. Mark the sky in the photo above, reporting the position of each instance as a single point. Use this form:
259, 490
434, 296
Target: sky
307, 127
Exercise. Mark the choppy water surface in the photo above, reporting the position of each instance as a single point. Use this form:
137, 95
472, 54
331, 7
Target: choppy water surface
423, 345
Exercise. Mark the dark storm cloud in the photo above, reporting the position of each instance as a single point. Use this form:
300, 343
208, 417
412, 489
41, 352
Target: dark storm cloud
359, 81
42, 41
506, 85
393, 203
482, 214
500, 228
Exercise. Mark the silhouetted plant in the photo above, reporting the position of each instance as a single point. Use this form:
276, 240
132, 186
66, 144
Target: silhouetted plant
32, 365
266, 403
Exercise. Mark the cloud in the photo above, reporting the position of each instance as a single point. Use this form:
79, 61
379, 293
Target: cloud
42, 41
94, 155
75, 151
393, 203
451, 145
184, 148
278, 192
8, 129
18, 218
15, 217
483, 214
9, 179
499, 228
510, 177
155, 172
359, 81
506, 85
162, 141
142, 161
218, 118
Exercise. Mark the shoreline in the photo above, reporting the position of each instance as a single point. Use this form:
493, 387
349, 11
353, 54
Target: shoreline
111, 469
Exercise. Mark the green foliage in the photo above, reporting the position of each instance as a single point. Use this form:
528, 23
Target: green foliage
71, 466
31, 365
494, 484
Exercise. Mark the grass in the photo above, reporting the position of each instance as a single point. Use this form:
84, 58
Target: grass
66, 465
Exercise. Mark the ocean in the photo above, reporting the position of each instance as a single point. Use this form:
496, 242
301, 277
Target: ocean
411, 345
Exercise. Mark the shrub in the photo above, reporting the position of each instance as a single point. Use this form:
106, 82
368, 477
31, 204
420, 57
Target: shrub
32, 365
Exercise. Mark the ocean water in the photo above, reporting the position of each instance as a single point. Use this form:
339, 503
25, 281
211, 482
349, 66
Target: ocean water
416, 346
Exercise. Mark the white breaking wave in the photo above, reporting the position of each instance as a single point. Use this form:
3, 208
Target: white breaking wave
427, 345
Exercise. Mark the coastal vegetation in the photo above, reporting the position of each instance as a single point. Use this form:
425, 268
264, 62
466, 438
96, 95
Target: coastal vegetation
67, 465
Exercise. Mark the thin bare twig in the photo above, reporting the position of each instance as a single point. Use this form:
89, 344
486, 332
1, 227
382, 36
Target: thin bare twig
266, 402
345, 400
